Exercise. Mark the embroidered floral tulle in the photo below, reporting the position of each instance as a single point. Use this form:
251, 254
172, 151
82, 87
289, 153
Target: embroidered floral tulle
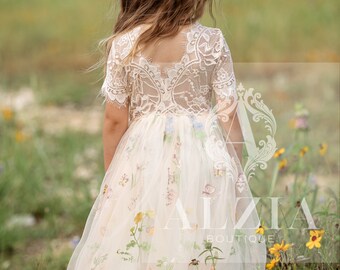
174, 195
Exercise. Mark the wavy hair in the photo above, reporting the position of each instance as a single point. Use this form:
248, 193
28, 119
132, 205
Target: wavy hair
164, 16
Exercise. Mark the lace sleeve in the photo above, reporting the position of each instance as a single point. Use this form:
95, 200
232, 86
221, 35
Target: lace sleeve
226, 98
114, 88
223, 77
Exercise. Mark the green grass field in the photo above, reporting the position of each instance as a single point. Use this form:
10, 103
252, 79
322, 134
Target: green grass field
55, 41
50, 143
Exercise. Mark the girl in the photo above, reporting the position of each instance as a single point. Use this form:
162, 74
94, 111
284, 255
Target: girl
173, 195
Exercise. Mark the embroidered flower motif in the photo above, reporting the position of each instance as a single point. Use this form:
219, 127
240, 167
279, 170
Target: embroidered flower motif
130, 144
98, 260
124, 179
212, 251
169, 128
134, 199
138, 217
171, 195
135, 232
132, 204
171, 177
170, 190
150, 213
194, 262
218, 172
107, 191
194, 226
198, 127
209, 189
165, 263
150, 230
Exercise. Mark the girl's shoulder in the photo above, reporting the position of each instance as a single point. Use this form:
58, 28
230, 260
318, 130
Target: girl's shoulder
211, 35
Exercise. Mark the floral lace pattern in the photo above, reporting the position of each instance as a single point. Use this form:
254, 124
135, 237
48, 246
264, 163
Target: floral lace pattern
205, 69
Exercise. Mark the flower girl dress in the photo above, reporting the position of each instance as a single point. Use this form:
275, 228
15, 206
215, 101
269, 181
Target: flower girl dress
174, 196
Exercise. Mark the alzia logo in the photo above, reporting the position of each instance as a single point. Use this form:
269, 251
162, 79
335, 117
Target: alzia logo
178, 217
230, 111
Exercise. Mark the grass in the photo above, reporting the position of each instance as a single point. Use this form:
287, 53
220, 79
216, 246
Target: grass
62, 172
55, 42
43, 167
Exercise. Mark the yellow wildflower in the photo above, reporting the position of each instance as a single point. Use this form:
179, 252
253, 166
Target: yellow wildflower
315, 238
261, 229
272, 263
277, 248
303, 151
7, 113
319, 232
323, 147
279, 152
20, 136
283, 164
138, 217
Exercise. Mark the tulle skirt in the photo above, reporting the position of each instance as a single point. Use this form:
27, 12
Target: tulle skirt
163, 204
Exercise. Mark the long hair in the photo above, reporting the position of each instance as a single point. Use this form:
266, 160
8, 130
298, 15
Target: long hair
164, 16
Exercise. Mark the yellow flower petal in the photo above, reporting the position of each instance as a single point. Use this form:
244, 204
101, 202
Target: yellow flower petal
310, 245
283, 164
323, 147
20, 136
272, 263
279, 152
303, 151
138, 217
260, 230
7, 114
321, 232
317, 244
150, 213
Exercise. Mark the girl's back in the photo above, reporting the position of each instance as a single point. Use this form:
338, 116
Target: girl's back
178, 75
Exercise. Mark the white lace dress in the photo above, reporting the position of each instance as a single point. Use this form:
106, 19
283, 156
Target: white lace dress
165, 198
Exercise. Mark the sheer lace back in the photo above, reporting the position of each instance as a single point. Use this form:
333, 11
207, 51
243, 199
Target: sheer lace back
182, 75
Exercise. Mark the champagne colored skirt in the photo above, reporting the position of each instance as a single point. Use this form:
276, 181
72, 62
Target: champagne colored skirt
163, 205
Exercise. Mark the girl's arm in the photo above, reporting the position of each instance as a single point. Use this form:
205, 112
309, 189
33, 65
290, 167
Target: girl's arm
233, 132
114, 127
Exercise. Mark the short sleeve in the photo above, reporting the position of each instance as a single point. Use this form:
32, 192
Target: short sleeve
223, 77
114, 88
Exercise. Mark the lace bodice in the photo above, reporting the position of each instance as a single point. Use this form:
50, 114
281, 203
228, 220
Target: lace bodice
189, 86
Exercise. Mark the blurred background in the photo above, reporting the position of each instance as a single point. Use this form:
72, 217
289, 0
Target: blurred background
51, 162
